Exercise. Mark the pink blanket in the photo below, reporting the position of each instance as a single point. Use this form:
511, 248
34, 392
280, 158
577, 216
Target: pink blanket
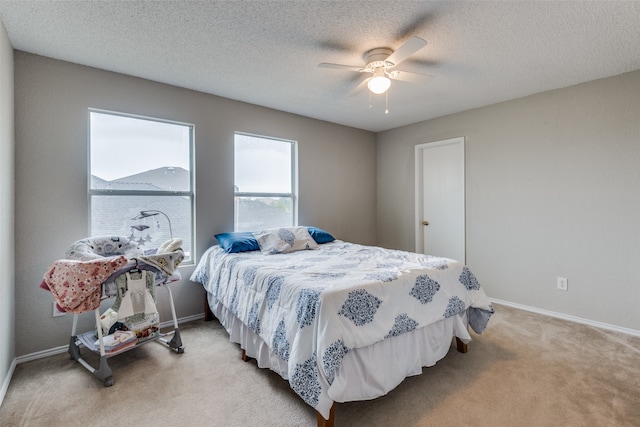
76, 285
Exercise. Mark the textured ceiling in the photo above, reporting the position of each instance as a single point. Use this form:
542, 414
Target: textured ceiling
267, 52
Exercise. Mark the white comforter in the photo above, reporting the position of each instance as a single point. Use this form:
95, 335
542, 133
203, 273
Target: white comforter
314, 306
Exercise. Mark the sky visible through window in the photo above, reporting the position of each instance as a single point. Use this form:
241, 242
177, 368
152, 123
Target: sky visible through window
262, 165
123, 146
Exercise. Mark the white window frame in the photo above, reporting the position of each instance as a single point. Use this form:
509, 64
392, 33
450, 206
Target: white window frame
293, 174
189, 252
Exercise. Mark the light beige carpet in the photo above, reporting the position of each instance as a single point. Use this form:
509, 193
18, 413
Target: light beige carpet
525, 370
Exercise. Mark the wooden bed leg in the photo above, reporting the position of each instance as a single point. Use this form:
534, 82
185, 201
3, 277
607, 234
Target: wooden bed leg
462, 347
327, 423
244, 356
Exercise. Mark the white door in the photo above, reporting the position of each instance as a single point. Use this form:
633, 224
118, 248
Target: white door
440, 217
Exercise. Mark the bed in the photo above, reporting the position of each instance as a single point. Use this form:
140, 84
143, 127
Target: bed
322, 312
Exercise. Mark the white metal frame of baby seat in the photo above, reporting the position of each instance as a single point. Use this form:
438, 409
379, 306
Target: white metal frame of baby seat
103, 371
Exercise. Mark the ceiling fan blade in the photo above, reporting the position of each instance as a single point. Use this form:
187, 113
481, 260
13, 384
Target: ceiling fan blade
359, 88
407, 49
340, 66
408, 76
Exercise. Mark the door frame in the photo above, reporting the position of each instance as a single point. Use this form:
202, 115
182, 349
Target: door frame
419, 192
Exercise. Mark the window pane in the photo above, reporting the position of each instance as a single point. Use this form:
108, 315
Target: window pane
119, 216
262, 165
138, 154
134, 162
259, 213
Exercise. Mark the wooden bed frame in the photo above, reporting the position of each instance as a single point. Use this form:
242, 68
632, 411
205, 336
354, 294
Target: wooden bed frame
322, 422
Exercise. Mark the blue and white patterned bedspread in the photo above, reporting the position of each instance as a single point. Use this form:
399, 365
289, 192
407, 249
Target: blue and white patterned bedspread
312, 307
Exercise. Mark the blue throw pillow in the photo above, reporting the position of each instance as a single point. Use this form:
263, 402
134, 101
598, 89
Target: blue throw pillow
238, 241
320, 236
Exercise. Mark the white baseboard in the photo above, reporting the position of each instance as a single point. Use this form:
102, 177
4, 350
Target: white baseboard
7, 380
42, 354
63, 349
570, 318
169, 323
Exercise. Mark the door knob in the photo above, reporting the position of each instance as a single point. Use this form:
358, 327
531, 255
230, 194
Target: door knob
425, 222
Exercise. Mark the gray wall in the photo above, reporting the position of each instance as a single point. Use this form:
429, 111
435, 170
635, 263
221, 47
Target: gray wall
551, 190
550, 187
336, 175
7, 279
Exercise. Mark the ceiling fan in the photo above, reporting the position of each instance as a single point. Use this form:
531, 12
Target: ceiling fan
381, 63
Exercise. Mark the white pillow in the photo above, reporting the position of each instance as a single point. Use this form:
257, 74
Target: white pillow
283, 240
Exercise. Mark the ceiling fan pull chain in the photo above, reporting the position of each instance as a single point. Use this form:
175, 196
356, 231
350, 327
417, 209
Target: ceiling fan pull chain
386, 102
370, 105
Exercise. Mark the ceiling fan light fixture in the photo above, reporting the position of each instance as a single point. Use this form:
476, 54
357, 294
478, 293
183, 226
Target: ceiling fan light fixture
379, 83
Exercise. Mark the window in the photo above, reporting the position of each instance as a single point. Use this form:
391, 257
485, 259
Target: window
265, 183
141, 179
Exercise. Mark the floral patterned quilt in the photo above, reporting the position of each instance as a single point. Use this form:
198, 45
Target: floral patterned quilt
314, 306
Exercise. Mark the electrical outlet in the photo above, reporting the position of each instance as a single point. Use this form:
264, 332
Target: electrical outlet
563, 284
56, 312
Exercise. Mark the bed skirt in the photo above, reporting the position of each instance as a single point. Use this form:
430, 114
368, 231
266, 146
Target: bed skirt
366, 373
